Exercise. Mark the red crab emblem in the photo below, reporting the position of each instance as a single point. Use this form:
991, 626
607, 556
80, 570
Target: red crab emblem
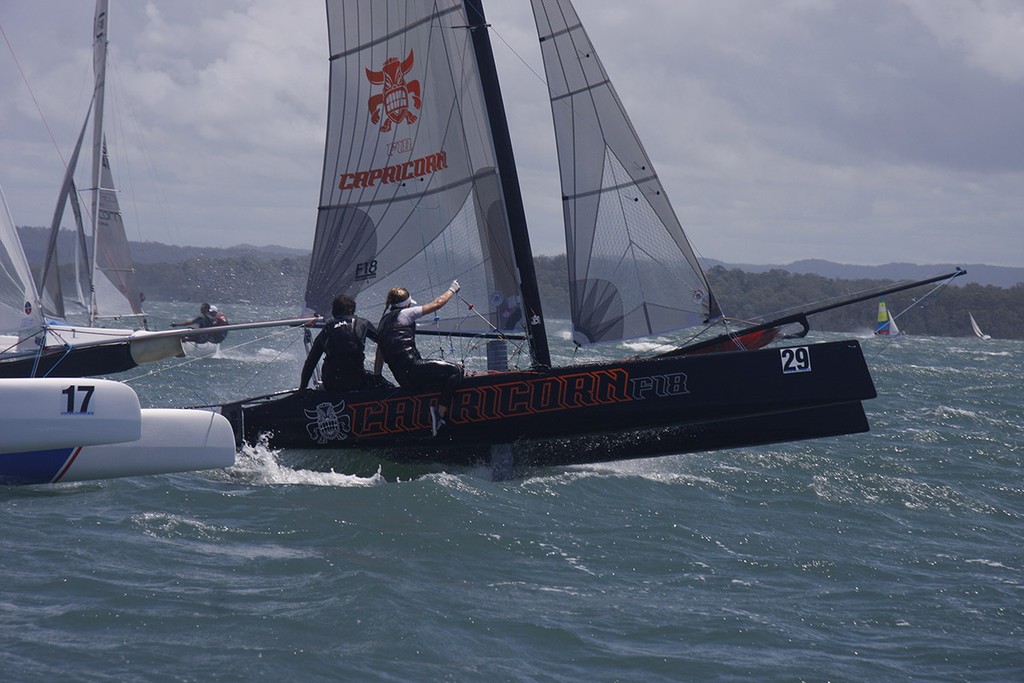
394, 99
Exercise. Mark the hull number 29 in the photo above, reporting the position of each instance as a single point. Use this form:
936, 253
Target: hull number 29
795, 359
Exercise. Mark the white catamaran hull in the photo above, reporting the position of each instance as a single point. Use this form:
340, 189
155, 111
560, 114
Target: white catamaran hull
56, 430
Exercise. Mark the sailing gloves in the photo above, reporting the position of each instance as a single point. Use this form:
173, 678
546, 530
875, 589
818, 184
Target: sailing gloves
454, 289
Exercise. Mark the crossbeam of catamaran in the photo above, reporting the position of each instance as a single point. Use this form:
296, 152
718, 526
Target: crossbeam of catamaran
145, 346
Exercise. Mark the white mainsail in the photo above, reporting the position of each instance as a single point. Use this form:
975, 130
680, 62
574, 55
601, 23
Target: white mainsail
410, 195
632, 271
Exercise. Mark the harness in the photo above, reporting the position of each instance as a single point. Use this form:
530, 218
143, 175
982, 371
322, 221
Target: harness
397, 342
346, 342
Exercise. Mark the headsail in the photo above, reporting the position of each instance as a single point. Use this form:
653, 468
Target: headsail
632, 271
116, 290
50, 288
410, 194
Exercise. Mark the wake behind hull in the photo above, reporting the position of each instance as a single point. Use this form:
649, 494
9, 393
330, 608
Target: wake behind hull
586, 413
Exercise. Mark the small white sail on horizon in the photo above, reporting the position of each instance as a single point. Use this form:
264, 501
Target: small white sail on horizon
977, 330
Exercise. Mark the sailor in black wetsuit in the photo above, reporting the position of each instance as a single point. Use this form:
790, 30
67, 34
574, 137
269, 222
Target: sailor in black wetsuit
396, 344
343, 341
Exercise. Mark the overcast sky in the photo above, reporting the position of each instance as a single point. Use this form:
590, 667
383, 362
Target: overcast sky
861, 132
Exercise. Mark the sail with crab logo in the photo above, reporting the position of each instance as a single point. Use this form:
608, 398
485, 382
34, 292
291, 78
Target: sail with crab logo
420, 186
411, 194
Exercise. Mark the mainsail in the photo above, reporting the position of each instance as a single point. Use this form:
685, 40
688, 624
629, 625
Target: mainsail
632, 271
410, 194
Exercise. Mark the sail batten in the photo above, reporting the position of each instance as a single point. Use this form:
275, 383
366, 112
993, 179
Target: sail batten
580, 91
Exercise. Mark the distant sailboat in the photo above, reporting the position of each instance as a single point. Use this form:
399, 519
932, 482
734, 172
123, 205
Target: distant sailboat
111, 291
977, 330
46, 344
885, 325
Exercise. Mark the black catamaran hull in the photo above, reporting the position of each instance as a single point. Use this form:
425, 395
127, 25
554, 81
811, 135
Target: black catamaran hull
586, 413
90, 361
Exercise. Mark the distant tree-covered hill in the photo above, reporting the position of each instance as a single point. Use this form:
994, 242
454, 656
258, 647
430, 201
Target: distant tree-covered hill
275, 275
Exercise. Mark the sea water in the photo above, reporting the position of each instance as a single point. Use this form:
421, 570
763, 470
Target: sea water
896, 555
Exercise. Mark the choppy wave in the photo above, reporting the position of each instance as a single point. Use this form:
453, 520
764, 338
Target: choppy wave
891, 555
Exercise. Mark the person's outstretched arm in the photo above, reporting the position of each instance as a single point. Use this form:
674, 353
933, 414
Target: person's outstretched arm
444, 298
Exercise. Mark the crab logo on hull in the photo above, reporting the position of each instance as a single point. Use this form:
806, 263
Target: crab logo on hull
330, 422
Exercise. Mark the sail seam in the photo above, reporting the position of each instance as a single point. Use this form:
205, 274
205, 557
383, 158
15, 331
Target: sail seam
405, 29
610, 188
567, 29
588, 88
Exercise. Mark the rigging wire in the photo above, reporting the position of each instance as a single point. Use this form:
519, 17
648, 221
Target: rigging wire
32, 94
252, 376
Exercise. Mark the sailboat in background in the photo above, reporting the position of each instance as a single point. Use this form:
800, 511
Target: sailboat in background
885, 325
110, 292
977, 330
420, 185
58, 430
34, 345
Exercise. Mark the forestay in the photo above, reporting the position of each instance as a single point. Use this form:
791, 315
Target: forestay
632, 271
410, 196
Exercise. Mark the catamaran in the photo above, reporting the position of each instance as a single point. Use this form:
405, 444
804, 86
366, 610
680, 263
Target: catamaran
420, 185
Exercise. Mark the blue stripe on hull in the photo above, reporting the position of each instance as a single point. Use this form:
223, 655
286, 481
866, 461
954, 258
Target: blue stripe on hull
36, 467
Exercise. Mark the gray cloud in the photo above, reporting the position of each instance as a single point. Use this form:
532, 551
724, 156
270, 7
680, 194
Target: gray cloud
860, 132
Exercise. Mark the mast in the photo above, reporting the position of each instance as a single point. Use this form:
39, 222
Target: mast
100, 70
509, 178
